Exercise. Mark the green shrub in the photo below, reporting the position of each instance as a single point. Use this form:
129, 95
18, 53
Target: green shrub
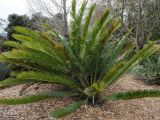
149, 70
4, 71
87, 63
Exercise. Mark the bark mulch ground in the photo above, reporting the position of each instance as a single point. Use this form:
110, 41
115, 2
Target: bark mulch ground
141, 109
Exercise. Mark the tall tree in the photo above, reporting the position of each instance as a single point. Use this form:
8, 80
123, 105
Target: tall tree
17, 20
51, 8
141, 15
39, 20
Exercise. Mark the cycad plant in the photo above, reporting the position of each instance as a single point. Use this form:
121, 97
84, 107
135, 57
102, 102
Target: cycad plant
87, 63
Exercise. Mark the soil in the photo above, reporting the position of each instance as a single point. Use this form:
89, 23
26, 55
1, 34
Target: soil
141, 109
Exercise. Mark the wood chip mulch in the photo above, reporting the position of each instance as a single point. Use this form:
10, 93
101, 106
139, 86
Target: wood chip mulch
141, 109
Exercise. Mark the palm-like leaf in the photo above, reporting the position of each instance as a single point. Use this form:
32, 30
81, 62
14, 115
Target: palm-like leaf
13, 81
35, 98
134, 95
47, 77
87, 62
61, 112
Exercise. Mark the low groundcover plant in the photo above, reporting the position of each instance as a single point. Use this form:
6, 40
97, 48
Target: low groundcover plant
149, 70
86, 63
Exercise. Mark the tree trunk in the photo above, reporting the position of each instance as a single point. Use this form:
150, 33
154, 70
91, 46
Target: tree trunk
65, 22
139, 41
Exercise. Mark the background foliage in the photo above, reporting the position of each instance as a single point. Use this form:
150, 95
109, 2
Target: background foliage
149, 70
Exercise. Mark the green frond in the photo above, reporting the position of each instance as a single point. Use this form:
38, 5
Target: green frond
105, 35
129, 51
26, 34
111, 73
99, 25
73, 12
30, 64
81, 14
12, 44
98, 32
48, 77
107, 31
63, 42
48, 37
115, 54
39, 47
31, 35
12, 81
134, 95
22, 38
85, 30
115, 25
71, 55
34, 98
78, 29
24, 31
33, 56
69, 109
14, 73
141, 55
61, 46
87, 21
